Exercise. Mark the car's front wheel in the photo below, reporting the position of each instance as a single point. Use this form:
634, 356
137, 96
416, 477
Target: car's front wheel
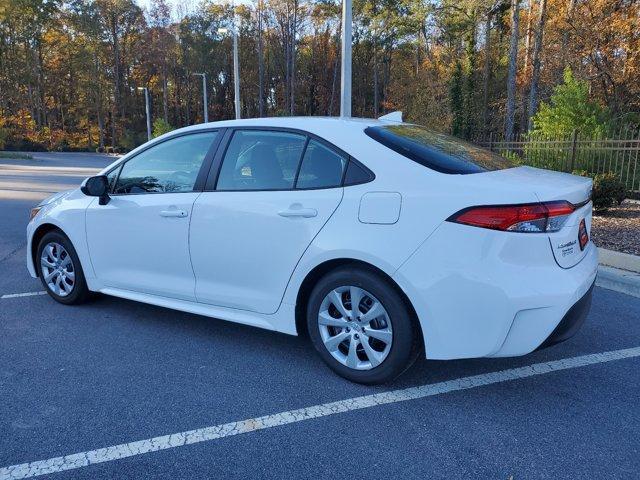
60, 270
361, 327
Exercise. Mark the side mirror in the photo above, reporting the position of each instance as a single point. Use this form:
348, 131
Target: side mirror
97, 186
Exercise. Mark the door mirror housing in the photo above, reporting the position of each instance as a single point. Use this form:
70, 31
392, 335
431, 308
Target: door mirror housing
97, 186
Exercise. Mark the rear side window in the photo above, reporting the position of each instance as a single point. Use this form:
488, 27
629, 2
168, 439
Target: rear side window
439, 152
321, 167
356, 174
261, 160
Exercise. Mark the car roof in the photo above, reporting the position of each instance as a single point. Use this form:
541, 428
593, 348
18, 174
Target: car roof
317, 125
339, 131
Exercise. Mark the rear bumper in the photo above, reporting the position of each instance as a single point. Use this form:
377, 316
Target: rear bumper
540, 327
483, 293
571, 322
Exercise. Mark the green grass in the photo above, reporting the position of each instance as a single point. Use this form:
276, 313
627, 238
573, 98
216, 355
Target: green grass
16, 156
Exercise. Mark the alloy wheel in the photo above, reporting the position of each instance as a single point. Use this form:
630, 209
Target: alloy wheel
355, 327
57, 269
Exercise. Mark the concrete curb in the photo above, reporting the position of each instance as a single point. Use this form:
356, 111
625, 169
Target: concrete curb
619, 280
623, 261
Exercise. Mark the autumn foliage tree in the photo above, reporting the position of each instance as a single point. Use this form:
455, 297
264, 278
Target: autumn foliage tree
70, 71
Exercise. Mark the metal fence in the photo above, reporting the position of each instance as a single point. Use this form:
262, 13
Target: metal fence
618, 154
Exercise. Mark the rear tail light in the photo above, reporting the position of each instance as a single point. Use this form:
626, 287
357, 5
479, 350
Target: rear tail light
530, 218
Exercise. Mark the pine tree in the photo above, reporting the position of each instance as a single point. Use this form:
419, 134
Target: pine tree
571, 109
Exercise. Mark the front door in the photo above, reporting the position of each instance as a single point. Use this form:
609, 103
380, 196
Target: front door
274, 193
139, 241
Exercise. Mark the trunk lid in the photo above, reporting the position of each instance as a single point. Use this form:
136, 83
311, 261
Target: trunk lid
548, 186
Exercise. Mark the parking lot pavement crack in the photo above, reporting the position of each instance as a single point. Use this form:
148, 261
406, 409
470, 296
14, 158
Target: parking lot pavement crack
206, 434
13, 252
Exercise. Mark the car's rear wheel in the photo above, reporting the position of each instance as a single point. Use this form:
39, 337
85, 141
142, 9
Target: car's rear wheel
361, 327
60, 270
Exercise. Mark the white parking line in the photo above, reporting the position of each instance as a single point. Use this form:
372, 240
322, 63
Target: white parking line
25, 294
124, 450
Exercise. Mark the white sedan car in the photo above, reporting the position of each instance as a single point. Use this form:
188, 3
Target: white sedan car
379, 239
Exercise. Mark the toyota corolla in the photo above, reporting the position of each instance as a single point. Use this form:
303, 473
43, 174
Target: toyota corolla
380, 240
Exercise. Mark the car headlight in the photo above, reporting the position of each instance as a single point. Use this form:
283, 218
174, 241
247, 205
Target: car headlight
47, 201
34, 212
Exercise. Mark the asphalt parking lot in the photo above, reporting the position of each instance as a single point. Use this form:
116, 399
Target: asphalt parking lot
138, 391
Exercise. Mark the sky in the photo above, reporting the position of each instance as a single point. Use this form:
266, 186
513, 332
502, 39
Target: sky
181, 7
184, 5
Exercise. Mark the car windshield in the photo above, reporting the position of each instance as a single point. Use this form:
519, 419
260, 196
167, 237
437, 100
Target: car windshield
437, 151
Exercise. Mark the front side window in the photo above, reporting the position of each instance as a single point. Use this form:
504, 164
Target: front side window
437, 151
321, 167
261, 160
169, 167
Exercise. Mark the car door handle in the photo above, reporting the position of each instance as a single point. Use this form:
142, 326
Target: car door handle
296, 210
173, 213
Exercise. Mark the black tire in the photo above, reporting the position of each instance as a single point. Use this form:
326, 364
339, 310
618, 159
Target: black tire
79, 292
406, 338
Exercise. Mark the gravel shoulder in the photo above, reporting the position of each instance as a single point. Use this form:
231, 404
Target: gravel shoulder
619, 229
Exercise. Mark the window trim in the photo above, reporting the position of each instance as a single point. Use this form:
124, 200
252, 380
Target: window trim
198, 186
307, 139
211, 183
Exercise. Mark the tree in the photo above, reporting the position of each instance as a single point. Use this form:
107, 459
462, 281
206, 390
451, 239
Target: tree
288, 16
260, 27
69, 68
120, 21
513, 63
486, 71
469, 86
535, 75
160, 127
571, 109
456, 101
526, 74
160, 44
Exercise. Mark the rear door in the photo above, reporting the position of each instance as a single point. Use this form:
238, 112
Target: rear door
273, 193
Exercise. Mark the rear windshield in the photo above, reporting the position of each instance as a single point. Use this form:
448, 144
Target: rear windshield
437, 151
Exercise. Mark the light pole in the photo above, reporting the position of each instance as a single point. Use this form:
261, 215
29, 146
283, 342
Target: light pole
204, 96
146, 102
236, 68
345, 74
